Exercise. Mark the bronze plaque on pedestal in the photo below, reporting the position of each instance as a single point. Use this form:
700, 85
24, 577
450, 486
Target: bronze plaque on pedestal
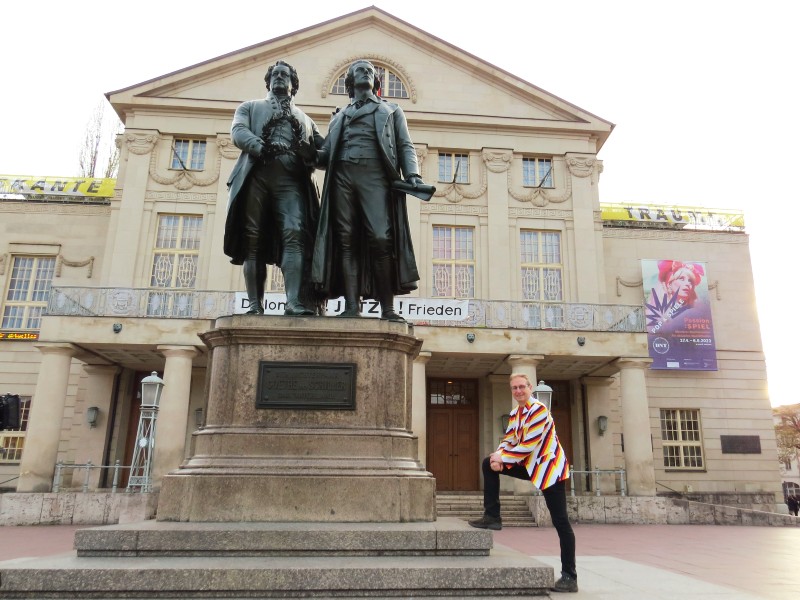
306, 386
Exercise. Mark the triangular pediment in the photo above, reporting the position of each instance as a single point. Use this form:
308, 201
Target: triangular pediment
445, 84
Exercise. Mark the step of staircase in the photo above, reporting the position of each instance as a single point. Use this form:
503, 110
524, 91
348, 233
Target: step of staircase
513, 509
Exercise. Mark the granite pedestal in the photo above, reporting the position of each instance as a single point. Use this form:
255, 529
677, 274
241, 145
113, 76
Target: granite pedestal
298, 464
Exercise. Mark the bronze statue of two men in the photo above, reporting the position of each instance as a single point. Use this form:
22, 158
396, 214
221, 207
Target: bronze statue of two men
357, 242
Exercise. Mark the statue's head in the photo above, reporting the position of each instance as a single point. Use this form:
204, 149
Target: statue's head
361, 71
284, 66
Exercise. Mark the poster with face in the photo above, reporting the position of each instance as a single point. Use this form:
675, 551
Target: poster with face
680, 334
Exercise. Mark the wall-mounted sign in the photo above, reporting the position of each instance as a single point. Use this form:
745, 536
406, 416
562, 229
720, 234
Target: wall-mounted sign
306, 386
20, 336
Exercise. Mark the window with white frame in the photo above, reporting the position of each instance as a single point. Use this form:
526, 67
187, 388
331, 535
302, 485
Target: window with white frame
28, 291
453, 167
453, 262
174, 266
189, 155
537, 172
682, 439
540, 265
12, 441
392, 85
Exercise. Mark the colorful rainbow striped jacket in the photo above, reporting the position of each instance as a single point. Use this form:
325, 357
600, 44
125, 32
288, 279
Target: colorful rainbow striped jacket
531, 441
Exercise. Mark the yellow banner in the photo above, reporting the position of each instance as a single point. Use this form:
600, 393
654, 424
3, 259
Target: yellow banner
702, 218
29, 185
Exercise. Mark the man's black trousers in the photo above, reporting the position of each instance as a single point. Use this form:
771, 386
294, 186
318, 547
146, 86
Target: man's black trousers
555, 497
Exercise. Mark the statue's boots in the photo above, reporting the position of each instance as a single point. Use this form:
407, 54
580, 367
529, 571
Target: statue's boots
350, 280
255, 276
383, 283
292, 268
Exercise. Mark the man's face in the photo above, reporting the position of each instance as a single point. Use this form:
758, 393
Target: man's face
520, 390
280, 82
363, 75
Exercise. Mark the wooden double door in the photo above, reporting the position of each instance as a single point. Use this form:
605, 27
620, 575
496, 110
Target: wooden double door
452, 434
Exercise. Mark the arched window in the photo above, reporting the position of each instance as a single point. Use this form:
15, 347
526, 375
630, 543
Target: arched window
392, 85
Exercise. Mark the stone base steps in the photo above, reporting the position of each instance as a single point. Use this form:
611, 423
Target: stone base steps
156, 559
513, 509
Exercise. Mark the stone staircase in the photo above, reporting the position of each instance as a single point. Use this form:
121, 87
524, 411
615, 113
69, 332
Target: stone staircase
513, 509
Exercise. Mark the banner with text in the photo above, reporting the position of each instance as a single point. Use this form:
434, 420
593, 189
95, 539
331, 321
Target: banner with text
28, 185
687, 216
680, 334
412, 309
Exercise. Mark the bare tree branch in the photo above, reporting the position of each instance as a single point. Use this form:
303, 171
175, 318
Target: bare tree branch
98, 154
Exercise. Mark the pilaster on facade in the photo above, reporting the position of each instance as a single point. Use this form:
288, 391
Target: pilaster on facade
497, 161
123, 253
586, 239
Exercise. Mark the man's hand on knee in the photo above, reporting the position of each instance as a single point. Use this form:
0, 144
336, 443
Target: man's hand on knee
496, 461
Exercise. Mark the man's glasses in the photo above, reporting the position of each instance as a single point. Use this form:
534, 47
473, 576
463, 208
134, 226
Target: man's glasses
514, 388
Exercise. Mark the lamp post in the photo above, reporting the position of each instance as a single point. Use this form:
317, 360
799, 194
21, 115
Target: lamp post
139, 479
543, 393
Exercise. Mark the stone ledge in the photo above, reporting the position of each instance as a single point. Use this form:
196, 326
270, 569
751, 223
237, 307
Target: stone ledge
504, 573
445, 537
74, 508
656, 510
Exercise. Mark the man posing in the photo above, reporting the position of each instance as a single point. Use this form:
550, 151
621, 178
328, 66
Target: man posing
363, 247
273, 205
530, 450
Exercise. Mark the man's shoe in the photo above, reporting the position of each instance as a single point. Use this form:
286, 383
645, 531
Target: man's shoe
350, 312
567, 583
390, 315
487, 522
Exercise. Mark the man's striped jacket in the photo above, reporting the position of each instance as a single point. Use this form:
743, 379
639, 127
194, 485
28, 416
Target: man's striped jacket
531, 441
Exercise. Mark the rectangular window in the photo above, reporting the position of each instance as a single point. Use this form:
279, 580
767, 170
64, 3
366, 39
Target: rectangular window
454, 168
12, 441
28, 291
540, 263
189, 155
537, 172
453, 262
174, 265
682, 439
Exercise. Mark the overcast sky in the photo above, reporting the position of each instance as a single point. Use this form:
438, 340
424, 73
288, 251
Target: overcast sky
704, 95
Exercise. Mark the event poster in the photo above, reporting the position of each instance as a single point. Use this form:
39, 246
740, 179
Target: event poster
680, 334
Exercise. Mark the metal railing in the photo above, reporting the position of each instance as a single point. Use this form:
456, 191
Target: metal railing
204, 304
87, 468
139, 302
595, 475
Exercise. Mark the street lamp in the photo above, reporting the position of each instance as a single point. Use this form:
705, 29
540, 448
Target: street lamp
139, 478
543, 393
152, 386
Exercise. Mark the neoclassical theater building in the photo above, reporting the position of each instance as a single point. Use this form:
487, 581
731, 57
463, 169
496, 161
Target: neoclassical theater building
524, 265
